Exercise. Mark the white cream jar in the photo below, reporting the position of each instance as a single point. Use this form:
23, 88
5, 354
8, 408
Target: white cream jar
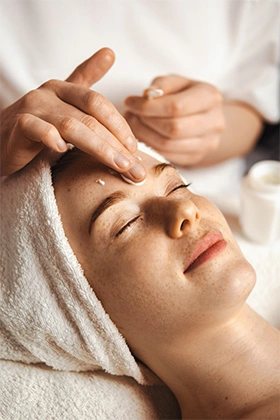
260, 202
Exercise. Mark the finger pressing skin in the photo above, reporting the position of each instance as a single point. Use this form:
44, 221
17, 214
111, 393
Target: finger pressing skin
97, 106
93, 69
94, 139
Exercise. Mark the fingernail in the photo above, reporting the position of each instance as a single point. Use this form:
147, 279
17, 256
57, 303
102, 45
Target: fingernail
137, 171
131, 144
152, 93
121, 161
61, 145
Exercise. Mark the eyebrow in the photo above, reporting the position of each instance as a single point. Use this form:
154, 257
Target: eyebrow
119, 196
158, 169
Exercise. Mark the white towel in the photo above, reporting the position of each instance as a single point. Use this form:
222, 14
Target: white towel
48, 311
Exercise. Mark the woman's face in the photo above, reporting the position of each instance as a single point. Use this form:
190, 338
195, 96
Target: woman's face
162, 260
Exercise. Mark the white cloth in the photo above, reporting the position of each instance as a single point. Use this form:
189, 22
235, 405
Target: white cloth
49, 314
37, 393
48, 311
233, 44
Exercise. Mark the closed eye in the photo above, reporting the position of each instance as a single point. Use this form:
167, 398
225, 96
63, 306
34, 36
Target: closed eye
180, 186
127, 225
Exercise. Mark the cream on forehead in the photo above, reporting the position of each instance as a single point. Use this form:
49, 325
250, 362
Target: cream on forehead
129, 181
100, 181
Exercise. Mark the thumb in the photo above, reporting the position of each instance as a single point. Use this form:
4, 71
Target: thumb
93, 69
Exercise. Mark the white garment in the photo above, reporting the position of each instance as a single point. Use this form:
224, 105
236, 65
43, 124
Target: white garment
233, 44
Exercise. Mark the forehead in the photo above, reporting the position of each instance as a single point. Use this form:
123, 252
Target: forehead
86, 167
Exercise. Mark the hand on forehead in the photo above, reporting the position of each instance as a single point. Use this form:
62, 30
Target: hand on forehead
77, 163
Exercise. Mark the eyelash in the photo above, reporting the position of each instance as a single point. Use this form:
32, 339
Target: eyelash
180, 186
127, 226
137, 217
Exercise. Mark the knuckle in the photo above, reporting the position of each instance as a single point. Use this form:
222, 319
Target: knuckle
23, 122
93, 100
68, 125
175, 108
90, 122
49, 134
101, 148
30, 99
173, 129
119, 122
50, 84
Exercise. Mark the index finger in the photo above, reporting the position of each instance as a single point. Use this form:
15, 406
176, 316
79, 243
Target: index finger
93, 69
96, 105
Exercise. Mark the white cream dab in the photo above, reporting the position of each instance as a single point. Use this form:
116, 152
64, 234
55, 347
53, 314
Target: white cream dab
137, 184
100, 181
151, 93
129, 181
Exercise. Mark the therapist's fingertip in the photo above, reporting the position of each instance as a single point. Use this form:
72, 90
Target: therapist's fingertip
121, 161
137, 172
61, 145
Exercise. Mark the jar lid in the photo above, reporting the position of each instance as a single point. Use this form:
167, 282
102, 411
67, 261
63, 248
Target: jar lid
265, 176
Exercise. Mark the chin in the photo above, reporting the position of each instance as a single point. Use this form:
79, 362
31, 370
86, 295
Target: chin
241, 281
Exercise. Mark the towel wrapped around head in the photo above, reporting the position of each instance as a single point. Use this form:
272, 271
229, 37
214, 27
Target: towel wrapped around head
48, 311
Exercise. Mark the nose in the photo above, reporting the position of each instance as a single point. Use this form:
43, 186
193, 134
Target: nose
181, 217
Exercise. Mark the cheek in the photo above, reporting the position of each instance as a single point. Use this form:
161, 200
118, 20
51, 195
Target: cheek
137, 288
223, 287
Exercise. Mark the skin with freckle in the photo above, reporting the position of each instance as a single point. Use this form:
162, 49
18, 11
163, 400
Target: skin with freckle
146, 247
170, 274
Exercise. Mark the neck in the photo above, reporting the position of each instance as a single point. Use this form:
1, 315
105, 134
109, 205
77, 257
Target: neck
213, 373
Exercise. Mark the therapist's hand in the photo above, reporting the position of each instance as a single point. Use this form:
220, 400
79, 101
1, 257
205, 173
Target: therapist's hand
184, 124
61, 112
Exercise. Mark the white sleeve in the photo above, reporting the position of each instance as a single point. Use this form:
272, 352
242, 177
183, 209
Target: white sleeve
255, 77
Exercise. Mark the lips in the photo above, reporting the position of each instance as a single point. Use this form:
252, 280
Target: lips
206, 248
